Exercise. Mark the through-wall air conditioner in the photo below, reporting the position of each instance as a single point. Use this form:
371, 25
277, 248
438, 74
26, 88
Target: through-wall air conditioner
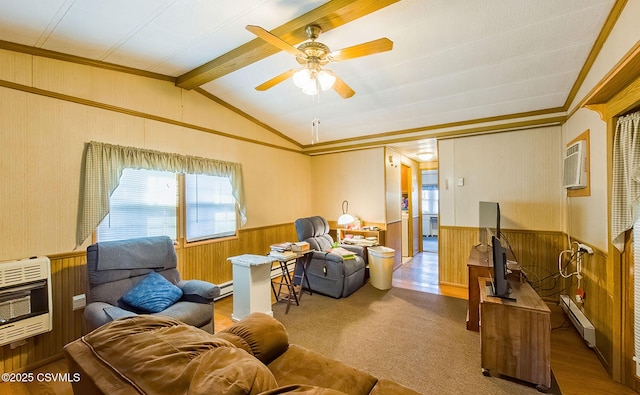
575, 166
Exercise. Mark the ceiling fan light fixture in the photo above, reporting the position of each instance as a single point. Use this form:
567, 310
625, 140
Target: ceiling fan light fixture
325, 79
310, 81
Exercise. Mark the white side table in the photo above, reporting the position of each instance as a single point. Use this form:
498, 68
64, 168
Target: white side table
251, 285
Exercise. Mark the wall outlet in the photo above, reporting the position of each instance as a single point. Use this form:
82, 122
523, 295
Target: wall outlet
585, 248
79, 302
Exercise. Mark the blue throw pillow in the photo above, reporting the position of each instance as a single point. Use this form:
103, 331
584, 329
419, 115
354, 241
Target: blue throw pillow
153, 294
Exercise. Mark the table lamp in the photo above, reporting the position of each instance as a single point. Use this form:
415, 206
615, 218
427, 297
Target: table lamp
345, 218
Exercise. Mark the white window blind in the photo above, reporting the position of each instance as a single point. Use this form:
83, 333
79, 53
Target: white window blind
143, 204
210, 207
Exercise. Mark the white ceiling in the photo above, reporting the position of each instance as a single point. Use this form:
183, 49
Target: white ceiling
452, 60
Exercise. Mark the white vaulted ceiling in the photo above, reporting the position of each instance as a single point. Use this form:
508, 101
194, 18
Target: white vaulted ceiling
452, 61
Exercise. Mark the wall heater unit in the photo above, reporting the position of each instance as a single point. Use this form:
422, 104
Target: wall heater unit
579, 320
25, 299
575, 166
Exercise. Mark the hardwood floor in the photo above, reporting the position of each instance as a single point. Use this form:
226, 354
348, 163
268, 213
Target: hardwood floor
574, 365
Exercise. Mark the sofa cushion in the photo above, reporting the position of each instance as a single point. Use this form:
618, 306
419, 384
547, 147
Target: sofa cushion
303, 390
230, 371
153, 294
191, 361
299, 365
265, 335
388, 387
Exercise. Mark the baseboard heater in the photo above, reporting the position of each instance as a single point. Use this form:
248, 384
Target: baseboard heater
579, 320
226, 288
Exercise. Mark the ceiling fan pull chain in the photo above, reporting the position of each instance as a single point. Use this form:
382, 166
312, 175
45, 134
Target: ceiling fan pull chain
315, 127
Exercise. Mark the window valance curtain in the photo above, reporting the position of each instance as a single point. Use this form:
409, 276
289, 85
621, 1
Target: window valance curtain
625, 193
103, 167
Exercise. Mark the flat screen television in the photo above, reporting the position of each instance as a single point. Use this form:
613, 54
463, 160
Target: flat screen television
500, 285
488, 223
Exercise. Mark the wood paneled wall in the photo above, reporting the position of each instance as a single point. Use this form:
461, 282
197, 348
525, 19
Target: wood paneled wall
394, 240
598, 303
203, 261
208, 261
536, 251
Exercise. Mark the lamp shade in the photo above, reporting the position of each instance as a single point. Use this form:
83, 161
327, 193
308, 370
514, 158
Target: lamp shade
345, 219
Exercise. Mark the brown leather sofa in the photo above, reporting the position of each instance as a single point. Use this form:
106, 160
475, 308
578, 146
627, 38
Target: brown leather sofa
159, 355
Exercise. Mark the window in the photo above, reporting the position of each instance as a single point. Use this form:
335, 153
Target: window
210, 207
143, 204
430, 199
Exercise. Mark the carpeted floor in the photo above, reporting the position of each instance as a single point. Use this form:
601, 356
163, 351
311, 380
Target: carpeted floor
415, 338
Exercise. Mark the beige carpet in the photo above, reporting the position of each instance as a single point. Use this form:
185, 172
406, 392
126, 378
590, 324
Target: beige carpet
415, 338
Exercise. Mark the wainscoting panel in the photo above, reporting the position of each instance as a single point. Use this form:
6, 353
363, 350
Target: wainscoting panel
598, 303
537, 252
208, 261
453, 253
394, 240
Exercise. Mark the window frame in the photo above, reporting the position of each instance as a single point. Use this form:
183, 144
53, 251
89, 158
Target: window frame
181, 219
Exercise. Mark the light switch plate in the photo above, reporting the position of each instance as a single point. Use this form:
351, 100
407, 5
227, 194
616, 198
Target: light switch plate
460, 181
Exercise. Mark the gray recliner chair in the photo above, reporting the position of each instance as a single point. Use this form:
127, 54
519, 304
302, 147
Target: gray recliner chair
115, 268
328, 273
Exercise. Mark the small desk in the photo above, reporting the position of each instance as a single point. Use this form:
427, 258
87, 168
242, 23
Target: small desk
515, 336
251, 285
287, 280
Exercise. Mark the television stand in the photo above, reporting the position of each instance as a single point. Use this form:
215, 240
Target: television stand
515, 335
489, 291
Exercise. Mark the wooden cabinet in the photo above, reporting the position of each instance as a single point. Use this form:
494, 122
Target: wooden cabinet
477, 266
515, 334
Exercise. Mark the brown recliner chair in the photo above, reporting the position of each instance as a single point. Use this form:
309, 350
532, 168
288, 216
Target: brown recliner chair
328, 273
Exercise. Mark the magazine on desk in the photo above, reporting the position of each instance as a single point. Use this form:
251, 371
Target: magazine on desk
283, 254
343, 252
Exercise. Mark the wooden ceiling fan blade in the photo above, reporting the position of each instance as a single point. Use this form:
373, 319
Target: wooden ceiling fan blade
275, 80
342, 88
275, 41
364, 49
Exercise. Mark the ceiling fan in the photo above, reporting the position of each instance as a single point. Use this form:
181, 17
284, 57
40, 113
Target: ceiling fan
313, 56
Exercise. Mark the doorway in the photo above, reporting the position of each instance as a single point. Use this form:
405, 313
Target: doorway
430, 198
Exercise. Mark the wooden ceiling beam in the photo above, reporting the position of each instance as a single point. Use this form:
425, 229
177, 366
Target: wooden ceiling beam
328, 16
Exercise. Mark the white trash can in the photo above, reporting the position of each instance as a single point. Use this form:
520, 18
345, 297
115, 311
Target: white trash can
381, 266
